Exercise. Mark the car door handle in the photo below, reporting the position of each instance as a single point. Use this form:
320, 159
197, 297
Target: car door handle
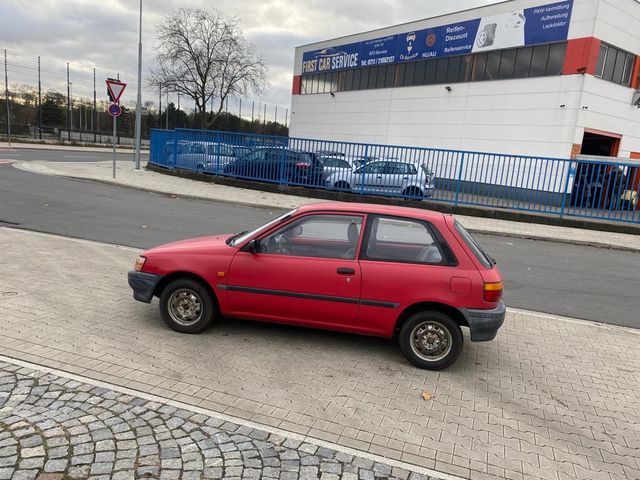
346, 271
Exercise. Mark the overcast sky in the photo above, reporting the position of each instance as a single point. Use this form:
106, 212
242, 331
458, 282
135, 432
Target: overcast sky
104, 33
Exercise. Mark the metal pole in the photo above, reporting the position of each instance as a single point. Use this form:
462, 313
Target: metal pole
113, 141
138, 132
39, 102
264, 120
160, 107
286, 118
93, 115
253, 104
166, 113
71, 108
275, 122
178, 112
68, 105
6, 96
240, 116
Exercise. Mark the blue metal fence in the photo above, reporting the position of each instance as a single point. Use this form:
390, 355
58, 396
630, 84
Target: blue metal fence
578, 188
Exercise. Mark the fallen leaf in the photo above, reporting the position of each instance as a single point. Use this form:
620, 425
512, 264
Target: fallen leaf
427, 395
143, 226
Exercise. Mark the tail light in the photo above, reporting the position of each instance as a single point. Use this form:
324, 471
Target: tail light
493, 291
302, 165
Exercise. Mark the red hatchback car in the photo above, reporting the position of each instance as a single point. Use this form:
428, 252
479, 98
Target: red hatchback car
378, 270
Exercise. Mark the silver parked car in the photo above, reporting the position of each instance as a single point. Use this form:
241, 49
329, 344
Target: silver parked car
208, 157
386, 178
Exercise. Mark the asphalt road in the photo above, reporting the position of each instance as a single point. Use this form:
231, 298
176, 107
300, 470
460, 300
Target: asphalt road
575, 281
28, 154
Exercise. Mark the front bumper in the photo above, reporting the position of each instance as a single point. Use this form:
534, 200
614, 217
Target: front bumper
484, 324
143, 284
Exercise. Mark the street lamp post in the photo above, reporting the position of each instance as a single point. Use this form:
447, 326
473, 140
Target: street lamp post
138, 132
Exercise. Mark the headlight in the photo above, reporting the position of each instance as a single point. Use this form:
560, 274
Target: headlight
139, 263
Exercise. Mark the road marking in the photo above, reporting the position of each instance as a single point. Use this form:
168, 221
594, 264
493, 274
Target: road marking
230, 418
92, 157
5, 161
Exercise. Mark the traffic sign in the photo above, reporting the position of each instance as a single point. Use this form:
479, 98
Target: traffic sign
115, 110
116, 88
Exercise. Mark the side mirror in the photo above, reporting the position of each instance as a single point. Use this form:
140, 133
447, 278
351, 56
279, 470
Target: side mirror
252, 247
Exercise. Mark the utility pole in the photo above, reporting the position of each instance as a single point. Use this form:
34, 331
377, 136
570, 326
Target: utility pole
160, 107
6, 96
39, 102
166, 113
68, 105
138, 132
275, 122
253, 104
93, 116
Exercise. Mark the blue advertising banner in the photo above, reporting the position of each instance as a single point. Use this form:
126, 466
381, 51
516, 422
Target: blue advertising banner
530, 26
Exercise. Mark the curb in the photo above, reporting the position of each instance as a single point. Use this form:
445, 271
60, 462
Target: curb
587, 243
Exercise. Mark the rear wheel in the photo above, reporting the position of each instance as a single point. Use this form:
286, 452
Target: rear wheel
342, 186
412, 192
431, 340
186, 306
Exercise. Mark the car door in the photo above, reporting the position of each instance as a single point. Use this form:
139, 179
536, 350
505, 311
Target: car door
396, 177
369, 177
306, 272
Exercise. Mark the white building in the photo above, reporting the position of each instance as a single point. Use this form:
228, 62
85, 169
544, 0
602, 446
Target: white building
525, 77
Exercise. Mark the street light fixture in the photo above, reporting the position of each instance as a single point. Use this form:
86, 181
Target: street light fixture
138, 132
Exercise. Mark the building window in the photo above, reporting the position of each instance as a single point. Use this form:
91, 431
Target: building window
542, 60
614, 65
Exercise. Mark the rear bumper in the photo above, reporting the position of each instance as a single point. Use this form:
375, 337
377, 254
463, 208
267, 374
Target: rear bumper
484, 324
143, 285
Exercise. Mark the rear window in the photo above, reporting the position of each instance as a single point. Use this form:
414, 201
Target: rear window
486, 260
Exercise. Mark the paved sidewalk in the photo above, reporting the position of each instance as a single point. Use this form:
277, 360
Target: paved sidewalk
71, 429
126, 175
550, 398
76, 148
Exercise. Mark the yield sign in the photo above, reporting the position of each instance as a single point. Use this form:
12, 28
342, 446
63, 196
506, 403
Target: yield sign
115, 88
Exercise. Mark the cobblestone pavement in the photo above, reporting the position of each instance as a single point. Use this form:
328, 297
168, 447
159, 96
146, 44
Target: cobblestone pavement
73, 430
549, 398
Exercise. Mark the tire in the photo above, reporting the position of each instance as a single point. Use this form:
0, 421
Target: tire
342, 186
200, 168
186, 306
442, 328
412, 193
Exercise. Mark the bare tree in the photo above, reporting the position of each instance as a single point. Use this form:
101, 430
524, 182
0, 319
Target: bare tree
203, 55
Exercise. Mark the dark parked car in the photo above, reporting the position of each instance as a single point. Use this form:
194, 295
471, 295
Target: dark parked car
278, 164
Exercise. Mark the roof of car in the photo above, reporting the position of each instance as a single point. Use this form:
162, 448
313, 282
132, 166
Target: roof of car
428, 215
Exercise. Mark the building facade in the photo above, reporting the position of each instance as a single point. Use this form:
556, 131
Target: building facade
522, 77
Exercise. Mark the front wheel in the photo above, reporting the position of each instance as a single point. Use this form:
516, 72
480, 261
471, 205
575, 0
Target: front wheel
186, 306
431, 340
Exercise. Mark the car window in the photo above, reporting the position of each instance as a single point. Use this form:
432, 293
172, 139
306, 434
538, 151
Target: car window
225, 150
401, 168
323, 236
401, 240
485, 259
376, 167
197, 148
335, 163
257, 156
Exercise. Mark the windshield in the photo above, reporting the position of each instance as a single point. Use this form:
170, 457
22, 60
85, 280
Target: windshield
245, 236
475, 247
